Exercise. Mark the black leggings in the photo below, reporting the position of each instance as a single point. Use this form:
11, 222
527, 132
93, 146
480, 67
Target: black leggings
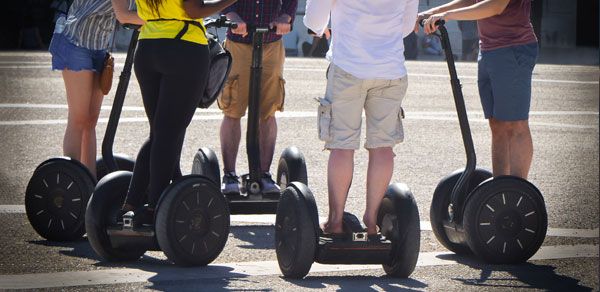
172, 75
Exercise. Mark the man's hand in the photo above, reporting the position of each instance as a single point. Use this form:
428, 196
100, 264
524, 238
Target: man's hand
429, 26
282, 23
242, 28
421, 16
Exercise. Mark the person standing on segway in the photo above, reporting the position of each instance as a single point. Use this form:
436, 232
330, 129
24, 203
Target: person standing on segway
233, 101
82, 36
171, 65
508, 53
366, 72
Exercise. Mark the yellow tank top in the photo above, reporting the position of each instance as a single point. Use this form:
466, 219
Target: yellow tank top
170, 22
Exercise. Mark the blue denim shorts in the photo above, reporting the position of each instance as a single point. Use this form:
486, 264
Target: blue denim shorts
66, 55
504, 79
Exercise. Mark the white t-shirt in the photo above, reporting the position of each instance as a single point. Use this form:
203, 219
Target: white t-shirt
367, 35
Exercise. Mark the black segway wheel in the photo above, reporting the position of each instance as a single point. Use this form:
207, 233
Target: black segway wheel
398, 220
505, 220
56, 198
123, 163
295, 233
206, 164
192, 221
102, 212
291, 167
438, 211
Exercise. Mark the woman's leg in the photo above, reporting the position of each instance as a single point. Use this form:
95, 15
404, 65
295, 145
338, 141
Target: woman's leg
88, 142
79, 87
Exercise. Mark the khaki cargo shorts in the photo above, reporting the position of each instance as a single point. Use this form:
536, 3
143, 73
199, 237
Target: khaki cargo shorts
340, 111
234, 98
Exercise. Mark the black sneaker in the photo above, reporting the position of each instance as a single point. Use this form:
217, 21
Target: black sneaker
231, 184
268, 185
143, 217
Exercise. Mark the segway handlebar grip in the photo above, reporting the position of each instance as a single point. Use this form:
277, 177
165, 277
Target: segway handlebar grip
222, 21
440, 22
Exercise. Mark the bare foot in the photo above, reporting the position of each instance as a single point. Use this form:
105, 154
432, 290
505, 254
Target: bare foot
330, 228
371, 224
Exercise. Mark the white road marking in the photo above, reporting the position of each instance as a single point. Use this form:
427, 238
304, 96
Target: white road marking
269, 220
200, 116
239, 270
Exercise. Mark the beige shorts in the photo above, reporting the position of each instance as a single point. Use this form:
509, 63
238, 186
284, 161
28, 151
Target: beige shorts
234, 98
340, 111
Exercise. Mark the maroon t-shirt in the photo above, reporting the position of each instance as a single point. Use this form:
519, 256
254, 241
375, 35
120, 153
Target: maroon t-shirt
511, 27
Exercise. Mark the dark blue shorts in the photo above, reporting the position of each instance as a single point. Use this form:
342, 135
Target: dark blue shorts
504, 79
66, 55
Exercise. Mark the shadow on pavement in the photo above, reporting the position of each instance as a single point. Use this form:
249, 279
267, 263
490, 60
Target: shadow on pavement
532, 276
359, 283
256, 237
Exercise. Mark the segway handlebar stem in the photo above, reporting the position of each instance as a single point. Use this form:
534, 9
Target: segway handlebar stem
115, 112
459, 191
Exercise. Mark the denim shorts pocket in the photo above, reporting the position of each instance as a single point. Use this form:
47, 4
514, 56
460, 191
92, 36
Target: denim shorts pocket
526, 55
324, 120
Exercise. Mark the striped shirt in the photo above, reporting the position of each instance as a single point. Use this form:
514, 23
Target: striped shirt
260, 13
91, 23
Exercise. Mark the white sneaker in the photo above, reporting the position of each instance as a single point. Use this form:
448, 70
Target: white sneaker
268, 185
231, 184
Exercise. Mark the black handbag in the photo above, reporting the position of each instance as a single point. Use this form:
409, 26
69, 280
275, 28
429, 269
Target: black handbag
219, 67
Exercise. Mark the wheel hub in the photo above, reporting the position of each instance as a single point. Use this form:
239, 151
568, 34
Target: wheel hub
509, 223
198, 222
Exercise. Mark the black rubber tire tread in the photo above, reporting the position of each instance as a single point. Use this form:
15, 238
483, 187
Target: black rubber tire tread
292, 202
292, 163
107, 198
85, 186
477, 201
440, 202
206, 163
166, 211
406, 240
123, 163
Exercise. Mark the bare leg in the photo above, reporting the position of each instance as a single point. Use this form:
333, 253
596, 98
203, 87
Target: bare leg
512, 147
339, 177
79, 86
379, 174
500, 147
268, 137
88, 142
230, 141
521, 149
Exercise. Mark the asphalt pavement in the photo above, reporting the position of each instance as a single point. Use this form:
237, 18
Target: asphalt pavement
564, 124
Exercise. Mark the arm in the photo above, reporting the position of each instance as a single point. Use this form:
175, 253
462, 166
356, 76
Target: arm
283, 23
121, 9
317, 15
476, 11
410, 17
200, 9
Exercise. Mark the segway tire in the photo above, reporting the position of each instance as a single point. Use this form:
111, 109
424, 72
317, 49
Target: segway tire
505, 220
206, 164
291, 167
192, 221
438, 212
56, 197
102, 212
295, 233
123, 163
399, 221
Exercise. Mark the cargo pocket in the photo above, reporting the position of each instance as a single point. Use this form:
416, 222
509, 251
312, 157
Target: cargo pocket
229, 93
399, 135
324, 120
282, 93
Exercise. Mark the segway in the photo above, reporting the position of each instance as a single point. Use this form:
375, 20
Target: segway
500, 219
291, 167
191, 221
59, 189
299, 241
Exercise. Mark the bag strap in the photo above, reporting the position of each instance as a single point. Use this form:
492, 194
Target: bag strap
185, 28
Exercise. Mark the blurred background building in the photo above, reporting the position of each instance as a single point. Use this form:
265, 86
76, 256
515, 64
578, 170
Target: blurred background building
563, 27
